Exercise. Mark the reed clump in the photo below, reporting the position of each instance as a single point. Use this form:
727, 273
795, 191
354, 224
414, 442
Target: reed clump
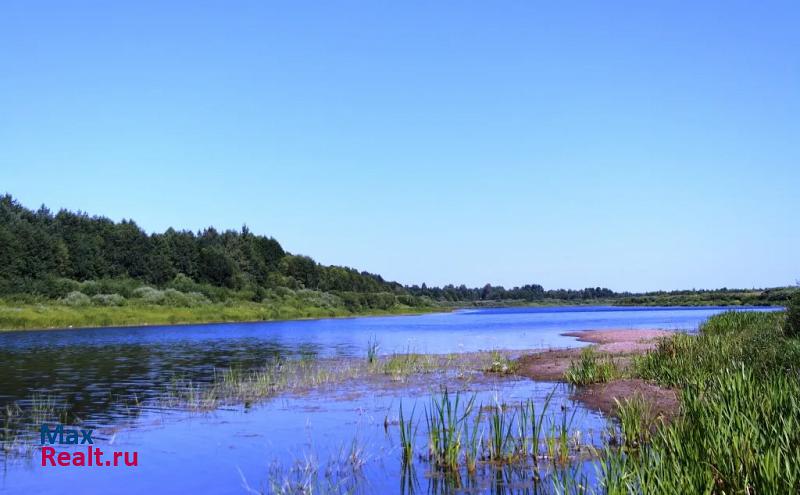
636, 420
462, 435
592, 367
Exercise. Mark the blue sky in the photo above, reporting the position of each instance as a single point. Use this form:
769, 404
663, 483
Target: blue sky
634, 145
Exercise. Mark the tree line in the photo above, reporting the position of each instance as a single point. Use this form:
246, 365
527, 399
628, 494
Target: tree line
45, 254
38, 249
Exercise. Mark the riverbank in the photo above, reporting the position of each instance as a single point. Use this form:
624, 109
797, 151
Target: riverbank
56, 314
40, 317
736, 423
619, 345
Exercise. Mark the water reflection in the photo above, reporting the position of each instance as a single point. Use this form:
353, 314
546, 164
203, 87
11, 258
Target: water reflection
100, 372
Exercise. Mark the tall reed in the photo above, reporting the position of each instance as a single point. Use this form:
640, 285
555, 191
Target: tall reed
445, 419
408, 432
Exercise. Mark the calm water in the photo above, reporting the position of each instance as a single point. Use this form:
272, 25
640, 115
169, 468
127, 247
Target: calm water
98, 371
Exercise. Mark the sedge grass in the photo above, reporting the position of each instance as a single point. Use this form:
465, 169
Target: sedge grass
408, 432
738, 430
591, 367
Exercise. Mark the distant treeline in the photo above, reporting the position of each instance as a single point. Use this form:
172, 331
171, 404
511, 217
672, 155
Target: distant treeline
528, 293
52, 255
535, 293
68, 254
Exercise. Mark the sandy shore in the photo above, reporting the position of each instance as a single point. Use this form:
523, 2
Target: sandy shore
620, 343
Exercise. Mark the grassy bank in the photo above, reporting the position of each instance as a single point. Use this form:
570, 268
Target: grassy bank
738, 430
54, 314
97, 312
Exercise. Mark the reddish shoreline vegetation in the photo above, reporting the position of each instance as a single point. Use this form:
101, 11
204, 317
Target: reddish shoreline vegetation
618, 347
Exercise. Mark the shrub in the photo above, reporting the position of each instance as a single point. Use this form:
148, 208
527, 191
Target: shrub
792, 325
149, 295
108, 300
183, 283
90, 287
76, 299
170, 297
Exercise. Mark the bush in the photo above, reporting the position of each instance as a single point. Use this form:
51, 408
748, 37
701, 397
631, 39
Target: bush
149, 295
76, 299
170, 297
174, 297
792, 325
183, 283
90, 287
108, 300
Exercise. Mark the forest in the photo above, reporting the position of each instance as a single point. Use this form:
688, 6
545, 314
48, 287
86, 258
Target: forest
79, 260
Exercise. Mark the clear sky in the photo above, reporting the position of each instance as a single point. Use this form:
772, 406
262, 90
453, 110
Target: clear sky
635, 145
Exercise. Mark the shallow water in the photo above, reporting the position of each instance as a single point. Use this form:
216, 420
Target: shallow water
94, 368
100, 372
221, 451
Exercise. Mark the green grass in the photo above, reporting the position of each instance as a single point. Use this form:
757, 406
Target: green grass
528, 417
636, 420
518, 436
473, 435
501, 364
792, 325
751, 338
403, 365
235, 386
445, 418
738, 431
591, 367
501, 436
408, 431
17, 316
341, 474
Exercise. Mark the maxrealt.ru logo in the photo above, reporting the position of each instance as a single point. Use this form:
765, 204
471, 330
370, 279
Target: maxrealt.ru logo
92, 456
